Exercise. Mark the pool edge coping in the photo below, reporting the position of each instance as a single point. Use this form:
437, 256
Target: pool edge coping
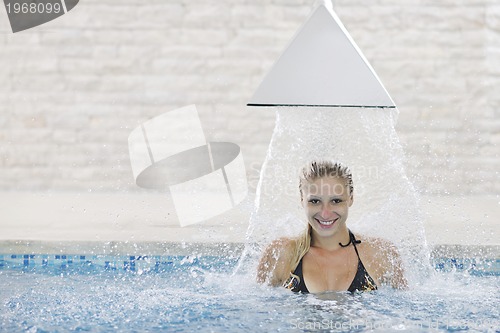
118, 248
231, 249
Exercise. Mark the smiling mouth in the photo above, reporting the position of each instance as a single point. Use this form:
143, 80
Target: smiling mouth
327, 223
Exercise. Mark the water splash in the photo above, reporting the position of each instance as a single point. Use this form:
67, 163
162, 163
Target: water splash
385, 203
178, 301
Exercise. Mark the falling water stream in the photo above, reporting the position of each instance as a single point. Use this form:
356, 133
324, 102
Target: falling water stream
364, 139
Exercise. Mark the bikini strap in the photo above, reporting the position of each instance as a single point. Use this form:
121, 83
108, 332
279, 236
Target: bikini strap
354, 241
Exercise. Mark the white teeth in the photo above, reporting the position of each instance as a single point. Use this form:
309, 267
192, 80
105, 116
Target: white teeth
326, 222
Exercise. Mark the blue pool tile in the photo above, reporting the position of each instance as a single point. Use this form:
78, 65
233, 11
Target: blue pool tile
133, 263
109, 266
128, 265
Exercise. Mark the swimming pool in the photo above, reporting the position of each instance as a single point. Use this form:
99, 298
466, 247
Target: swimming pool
92, 293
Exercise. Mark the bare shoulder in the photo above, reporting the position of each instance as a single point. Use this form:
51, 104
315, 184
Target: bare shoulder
379, 247
383, 258
282, 243
274, 265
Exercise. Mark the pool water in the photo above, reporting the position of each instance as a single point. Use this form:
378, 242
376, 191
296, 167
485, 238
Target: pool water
188, 294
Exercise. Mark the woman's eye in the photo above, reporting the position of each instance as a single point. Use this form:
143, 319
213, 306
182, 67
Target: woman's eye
314, 201
336, 200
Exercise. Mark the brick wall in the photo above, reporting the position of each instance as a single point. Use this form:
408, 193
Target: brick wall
73, 89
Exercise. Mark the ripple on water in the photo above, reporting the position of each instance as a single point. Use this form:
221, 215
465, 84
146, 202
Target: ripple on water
234, 303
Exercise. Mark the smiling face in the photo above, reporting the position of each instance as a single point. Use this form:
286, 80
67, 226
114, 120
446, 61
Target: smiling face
326, 202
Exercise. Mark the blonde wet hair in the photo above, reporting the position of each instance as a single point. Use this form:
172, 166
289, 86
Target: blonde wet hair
309, 173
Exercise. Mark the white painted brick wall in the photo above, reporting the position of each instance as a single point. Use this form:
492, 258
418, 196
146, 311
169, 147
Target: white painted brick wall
73, 89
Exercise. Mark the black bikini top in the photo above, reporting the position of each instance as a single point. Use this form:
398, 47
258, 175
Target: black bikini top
362, 280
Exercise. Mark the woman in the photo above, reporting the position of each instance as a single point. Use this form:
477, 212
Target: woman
329, 257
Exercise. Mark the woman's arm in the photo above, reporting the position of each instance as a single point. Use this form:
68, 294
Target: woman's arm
274, 266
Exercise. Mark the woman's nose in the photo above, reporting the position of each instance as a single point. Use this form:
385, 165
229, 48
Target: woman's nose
326, 211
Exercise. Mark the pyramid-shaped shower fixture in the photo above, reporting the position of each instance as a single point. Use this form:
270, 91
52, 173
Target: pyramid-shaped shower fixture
322, 66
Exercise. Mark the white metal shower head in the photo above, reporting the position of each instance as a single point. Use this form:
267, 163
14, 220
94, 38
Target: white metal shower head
322, 66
